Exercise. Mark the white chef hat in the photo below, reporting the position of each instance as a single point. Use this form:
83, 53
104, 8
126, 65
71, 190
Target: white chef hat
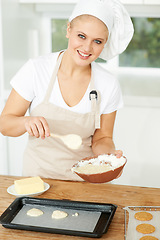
113, 14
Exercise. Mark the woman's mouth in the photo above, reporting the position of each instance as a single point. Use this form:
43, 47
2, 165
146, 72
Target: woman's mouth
83, 55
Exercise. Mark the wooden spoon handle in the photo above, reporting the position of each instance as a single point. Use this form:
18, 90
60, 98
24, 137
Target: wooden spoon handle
55, 135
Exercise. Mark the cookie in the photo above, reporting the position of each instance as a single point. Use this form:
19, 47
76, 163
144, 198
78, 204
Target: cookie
143, 216
145, 228
57, 214
148, 238
34, 212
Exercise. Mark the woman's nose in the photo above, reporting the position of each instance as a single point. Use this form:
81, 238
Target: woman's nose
88, 46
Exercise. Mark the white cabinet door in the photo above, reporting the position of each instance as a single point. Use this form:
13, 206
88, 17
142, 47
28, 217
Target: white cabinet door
132, 1
48, 1
16, 147
74, 1
151, 2
3, 156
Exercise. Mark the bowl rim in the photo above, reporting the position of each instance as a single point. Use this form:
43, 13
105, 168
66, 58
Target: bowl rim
86, 159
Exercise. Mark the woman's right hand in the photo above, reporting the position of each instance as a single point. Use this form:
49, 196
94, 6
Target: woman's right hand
14, 123
37, 126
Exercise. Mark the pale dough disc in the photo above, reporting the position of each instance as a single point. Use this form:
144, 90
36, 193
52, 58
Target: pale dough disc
148, 238
143, 216
34, 212
145, 228
57, 214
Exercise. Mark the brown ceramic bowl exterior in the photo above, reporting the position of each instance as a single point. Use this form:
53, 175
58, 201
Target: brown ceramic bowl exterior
101, 177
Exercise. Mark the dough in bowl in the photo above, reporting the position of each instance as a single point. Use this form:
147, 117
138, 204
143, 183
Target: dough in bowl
103, 163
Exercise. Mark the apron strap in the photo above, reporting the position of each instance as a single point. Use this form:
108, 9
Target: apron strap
95, 98
94, 95
53, 78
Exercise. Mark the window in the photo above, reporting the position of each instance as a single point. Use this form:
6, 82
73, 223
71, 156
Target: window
143, 50
59, 40
142, 53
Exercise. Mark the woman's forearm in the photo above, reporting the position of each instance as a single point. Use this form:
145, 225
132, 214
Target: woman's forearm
12, 118
12, 126
103, 146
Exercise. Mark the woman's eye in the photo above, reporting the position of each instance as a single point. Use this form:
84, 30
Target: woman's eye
98, 41
81, 36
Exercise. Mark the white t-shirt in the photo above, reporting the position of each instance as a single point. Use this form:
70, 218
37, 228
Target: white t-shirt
32, 80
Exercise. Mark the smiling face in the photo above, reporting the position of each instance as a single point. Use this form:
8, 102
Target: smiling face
87, 36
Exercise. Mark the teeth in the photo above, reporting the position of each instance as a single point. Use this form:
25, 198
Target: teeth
84, 55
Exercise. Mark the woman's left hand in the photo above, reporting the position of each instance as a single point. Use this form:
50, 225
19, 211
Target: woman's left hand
118, 153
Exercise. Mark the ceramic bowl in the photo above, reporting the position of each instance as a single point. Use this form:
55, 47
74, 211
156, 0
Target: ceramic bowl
99, 177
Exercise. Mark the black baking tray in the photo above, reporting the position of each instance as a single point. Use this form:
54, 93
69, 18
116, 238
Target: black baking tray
104, 211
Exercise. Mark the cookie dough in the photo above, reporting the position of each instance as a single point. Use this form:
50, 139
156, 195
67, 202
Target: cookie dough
34, 212
57, 214
145, 228
93, 169
148, 238
103, 163
143, 216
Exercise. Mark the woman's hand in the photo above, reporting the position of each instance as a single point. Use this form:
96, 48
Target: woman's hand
37, 126
118, 153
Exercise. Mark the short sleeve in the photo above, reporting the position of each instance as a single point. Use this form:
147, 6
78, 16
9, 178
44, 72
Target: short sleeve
115, 100
22, 82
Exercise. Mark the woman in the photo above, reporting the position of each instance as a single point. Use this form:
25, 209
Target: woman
67, 92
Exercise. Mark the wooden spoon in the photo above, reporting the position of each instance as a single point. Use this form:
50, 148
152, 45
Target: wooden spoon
72, 141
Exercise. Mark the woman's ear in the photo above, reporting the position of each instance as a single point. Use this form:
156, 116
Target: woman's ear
68, 30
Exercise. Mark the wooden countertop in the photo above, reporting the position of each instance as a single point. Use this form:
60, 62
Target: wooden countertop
82, 191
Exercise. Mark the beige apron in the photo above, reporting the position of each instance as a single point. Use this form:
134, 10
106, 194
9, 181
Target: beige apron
50, 158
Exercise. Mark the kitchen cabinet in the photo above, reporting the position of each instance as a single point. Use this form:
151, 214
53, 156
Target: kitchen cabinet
48, 1
151, 2
141, 2
3, 156
132, 1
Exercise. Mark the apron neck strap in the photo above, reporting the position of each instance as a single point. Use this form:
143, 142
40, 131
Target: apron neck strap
94, 94
53, 78
95, 99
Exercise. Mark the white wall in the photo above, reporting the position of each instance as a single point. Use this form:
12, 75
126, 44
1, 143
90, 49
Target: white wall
137, 133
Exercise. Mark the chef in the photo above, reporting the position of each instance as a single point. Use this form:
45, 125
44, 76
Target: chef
67, 92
